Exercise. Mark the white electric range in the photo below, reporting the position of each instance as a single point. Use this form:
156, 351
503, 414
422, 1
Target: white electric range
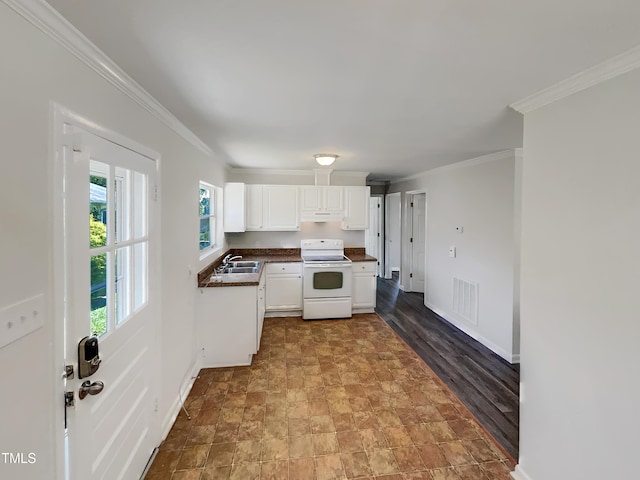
326, 279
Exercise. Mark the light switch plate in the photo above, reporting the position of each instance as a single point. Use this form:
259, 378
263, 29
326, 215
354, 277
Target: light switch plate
21, 319
452, 252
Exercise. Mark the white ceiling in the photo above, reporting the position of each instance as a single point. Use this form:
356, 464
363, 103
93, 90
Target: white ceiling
394, 87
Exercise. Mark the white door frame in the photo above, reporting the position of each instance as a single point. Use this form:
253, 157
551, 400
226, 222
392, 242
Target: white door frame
407, 228
387, 253
381, 228
62, 116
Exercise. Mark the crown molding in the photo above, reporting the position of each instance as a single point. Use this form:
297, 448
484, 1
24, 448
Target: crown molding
613, 67
48, 20
491, 157
270, 171
308, 173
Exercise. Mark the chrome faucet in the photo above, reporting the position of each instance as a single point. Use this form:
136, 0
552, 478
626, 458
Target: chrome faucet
229, 258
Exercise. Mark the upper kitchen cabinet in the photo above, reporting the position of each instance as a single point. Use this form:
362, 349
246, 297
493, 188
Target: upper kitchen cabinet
321, 203
356, 215
281, 207
253, 207
234, 207
272, 208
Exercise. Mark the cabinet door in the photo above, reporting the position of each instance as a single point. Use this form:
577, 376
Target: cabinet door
280, 207
284, 292
254, 207
234, 207
310, 199
356, 208
334, 199
364, 290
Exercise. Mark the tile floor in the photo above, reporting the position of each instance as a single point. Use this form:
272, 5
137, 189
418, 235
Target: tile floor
334, 399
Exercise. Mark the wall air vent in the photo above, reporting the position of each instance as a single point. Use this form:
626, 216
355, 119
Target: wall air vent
465, 299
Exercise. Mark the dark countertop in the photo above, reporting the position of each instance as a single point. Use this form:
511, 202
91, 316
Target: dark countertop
358, 255
263, 255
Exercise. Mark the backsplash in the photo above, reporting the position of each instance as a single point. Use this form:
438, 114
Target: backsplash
352, 238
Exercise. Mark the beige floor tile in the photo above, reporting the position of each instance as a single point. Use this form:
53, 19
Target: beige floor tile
335, 399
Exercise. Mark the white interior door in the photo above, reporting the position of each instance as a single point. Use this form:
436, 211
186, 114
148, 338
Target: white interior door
418, 245
110, 292
373, 235
393, 233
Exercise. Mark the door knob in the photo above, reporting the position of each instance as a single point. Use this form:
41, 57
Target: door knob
88, 388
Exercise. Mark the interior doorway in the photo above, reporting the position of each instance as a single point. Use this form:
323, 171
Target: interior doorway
393, 234
374, 235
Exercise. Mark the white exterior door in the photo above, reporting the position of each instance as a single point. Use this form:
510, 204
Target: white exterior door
110, 292
418, 245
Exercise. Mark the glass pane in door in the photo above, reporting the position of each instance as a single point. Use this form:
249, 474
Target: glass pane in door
122, 284
139, 275
97, 211
99, 324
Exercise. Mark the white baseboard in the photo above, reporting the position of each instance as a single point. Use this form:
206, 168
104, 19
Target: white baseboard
280, 313
508, 356
174, 410
518, 474
363, 310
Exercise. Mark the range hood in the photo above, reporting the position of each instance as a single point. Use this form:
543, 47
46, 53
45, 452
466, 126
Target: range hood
319, 217
325, 202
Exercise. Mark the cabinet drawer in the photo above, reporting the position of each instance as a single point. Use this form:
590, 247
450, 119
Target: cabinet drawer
364, 267
272, 268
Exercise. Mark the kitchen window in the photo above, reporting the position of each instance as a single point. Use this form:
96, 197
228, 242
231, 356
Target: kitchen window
210, 209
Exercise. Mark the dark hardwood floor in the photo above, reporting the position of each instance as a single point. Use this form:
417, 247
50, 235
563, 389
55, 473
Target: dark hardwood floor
483, 381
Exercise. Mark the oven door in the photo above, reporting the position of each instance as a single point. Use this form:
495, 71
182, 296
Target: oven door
324, 280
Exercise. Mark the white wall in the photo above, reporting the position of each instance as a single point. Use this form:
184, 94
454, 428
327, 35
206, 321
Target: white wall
478, 195
352, 238
35, 72
580, 286
293, 177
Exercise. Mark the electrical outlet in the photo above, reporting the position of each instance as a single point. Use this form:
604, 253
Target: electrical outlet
21, 319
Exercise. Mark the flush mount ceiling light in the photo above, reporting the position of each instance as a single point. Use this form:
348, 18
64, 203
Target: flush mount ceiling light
325, 159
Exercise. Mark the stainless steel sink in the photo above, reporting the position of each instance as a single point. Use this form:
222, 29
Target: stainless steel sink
244, 263
241, 270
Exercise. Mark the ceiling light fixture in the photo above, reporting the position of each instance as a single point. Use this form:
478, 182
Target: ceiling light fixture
325, 159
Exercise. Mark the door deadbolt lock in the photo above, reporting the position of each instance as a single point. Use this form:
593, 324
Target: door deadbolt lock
88, 358
88, 388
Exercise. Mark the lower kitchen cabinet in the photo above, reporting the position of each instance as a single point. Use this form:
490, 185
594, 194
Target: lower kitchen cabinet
364, 287
284, 288
229, 324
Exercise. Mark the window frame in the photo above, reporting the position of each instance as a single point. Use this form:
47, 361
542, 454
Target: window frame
214, 216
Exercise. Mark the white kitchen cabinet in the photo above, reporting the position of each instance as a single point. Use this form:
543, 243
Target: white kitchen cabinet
254, 207
284, 287
364, 287
280, 207
356, 216
321, 203
272, 208
229, 325
234, 207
